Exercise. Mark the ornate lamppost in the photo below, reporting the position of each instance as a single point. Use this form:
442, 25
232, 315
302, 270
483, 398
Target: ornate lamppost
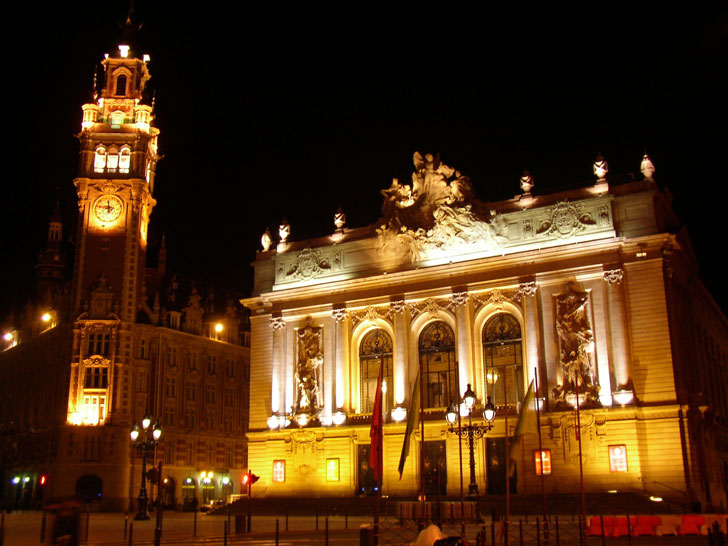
144, 437
471, 431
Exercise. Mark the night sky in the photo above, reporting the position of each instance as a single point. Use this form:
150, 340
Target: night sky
280, 111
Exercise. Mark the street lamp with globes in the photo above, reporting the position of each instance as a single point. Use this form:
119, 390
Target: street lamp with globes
144, 437
471, 431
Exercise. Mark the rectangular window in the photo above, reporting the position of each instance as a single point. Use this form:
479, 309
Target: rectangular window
279, 471
618, 458
96, 378
98, 344
332, 470
170, 387
193, 361
542, 459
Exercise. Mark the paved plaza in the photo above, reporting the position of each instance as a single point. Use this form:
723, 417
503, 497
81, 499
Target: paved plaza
23, 529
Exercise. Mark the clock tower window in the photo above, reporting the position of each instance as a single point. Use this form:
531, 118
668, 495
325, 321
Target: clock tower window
100, 160
120, 85
124, 160
112, 160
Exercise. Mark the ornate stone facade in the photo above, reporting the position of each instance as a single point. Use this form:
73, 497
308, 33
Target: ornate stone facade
569, 289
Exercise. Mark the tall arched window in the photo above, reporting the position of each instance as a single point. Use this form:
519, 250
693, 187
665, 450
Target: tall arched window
120, 85
112, 160
503, 359
437, 365
375, 351
100, 160
124, 159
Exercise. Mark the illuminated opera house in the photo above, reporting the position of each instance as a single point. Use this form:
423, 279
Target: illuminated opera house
591, 293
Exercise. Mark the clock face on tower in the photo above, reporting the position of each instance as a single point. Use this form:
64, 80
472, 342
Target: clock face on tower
107, 208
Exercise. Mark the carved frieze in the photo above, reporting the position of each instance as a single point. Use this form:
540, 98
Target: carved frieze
96, 360
307, 264
430, 305
371, 313
496, 298
566, 220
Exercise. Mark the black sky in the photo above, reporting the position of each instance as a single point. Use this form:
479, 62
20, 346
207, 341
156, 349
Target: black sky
275, 111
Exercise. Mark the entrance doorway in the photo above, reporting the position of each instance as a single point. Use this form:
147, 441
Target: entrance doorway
496, 467
435, 467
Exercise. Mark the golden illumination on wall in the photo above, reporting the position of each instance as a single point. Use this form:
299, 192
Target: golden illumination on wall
92, 412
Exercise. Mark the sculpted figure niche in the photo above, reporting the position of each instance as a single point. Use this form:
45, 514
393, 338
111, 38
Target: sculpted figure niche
576, 341
310, 358
434, 214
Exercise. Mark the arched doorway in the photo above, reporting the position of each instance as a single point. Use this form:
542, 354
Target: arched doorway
90, 487
168, 492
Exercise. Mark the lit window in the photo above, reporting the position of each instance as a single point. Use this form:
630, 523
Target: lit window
279, 471
94, 409
332, 470
124, 160
375, 351
437, 364
542, 460
618, 458
100, 160
112, 161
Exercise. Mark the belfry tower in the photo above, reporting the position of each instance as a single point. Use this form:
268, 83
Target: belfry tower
115, 184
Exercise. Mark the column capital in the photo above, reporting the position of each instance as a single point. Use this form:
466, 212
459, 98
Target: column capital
613, 276
277, 323
338, 314
528, 288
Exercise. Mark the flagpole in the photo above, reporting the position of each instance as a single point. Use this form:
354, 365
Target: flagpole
508, 459
540, 456
581, 464
422, 447
460, 451
380, 449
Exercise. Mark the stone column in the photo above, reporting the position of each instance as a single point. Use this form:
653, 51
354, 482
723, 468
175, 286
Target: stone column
397, 310
532, 330
618, 328
340, 351
464, 336
277, 395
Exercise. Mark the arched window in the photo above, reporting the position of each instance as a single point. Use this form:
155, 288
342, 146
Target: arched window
375, 351
112, 160
437, 364
100, 160
124, 160
503, 359
120, 85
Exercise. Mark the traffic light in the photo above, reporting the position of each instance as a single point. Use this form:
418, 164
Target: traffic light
249, 479
43, 479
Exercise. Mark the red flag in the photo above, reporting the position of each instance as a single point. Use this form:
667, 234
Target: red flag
375, 433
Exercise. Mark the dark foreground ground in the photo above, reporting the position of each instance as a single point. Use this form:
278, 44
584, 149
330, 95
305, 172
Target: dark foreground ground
23, 529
